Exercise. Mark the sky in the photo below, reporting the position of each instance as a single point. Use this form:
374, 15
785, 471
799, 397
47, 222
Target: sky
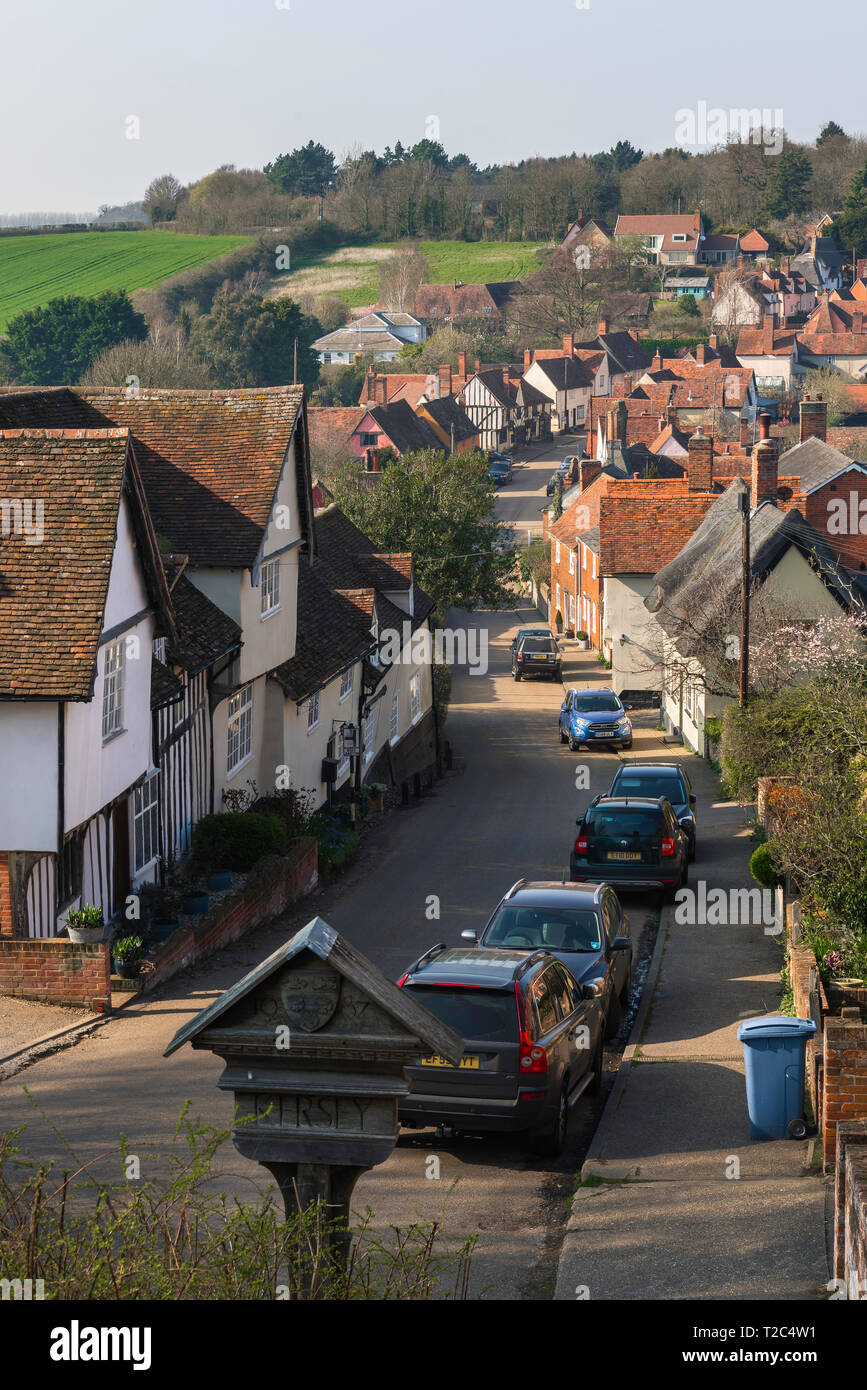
210, 82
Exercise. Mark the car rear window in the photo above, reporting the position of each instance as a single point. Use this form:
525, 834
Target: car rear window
550, 928
537, 644
649, 786
623, 821
480, 1015
596, 704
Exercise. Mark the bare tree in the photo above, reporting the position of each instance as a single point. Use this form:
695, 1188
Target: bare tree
400, 277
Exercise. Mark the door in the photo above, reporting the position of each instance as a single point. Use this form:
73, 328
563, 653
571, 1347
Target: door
583, 1024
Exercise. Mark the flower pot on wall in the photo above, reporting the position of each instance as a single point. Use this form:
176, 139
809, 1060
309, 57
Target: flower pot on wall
85, 936
127, 969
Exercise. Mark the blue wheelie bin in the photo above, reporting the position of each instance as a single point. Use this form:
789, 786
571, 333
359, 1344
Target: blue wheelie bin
775, 1052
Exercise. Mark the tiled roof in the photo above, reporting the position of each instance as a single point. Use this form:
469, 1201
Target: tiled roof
464, 301
210, 461
641, 531
350, 339
447, 412
754, 241
165, 687
205, 632
626, 354
566, 373
53, 593
688, 223
333, 634
815, 462
751, 343
720, 241
332, 426
403, 428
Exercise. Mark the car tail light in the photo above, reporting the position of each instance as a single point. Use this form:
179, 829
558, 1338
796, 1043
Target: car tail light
667, 847
402, 981
534, 1060
581, 844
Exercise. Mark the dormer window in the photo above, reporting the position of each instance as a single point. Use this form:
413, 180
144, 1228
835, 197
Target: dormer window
678, 236
269, 586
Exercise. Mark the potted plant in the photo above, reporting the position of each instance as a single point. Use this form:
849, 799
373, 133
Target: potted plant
376, 795
162, 906
194, 898
85, 925
558, 622
583, 640
126, 956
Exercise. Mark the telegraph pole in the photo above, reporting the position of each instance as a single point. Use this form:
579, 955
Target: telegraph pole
744, 684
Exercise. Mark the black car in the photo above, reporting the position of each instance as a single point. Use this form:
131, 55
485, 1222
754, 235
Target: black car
532, 1044
661, 779
537, 656
531, 632
584, 927
635, 842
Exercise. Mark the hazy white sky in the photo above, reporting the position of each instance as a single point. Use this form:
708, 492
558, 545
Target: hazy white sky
238, 81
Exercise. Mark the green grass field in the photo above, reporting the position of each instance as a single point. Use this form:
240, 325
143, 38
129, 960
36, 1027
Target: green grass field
351, 273
34, 269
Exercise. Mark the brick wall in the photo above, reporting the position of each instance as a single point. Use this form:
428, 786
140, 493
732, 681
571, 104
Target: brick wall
801, 962
54, 970
5, 896
844, 1088
850, 1209
841, 525
273, 885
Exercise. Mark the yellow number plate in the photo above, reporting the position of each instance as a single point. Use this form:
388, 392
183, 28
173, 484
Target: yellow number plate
624, 856
467, 1063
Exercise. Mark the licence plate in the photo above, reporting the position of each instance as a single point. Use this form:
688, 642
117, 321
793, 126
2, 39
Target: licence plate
617, 855
534, 657
466, 1064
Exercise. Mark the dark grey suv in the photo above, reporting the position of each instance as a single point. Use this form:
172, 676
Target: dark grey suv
532, 1044
584, 927
635, 842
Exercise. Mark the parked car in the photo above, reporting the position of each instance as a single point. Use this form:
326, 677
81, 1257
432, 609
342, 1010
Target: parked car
523, 1067
635, 842
500, 473
661, 779
532, 632
584, 927
594, 717
537, 656
495, 456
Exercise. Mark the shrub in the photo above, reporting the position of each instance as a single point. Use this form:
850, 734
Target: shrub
128, 948
762, 867
236, 840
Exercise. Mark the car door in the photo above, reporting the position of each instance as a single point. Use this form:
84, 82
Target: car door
582, 1023
615, 925
549, 1026
565, 711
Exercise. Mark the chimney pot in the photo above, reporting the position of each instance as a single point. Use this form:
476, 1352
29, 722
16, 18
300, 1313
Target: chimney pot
700, 463
528, 359
814, 419
765, 469
569, 345
602, 326
462, 364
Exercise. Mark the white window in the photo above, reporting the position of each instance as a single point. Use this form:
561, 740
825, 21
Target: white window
594, 564
557, 552
112, 690
313, 712
394, 726
240, 745
269, 584
415, 697
343, 764
145, 821
584, 556
346, 683
369, 728
687, 698
678, 236
593, 629
160, 649
572, 610
571, 561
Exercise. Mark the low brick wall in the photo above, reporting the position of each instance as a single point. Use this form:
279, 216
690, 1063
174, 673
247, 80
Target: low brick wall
54, 970
273, 885
850, 1209
5, 895
844, 1083
801, 962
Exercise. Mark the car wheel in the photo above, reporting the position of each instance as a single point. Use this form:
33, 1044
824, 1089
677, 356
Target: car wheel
692, 850
595, 1085
517, 675
627, 746
550, 1141
573, 746
615, 1017
563, 737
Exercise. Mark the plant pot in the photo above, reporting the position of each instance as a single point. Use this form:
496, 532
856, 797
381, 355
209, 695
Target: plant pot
584, 646
218, 881
195, 904
161, 929
85, 936
375, 803
127, 969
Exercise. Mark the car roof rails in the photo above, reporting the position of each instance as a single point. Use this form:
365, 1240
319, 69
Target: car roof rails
531, 960
428, 956
514, 888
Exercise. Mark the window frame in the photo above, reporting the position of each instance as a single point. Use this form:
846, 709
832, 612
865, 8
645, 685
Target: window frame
113, 689
415, 709
267, 569
148, 815
239, 713
313, 712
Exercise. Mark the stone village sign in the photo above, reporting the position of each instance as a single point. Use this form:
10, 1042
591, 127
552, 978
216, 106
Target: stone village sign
315, 1042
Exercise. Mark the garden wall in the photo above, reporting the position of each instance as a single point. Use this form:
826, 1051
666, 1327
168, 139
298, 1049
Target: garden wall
273, 885
54, 970
850, 1210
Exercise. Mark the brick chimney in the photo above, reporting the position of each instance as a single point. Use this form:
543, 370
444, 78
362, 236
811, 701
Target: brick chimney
813, 240
506, 377
861, 268
528, 359
671, 414
370, 386
656, 364
700, 465
588, 469
445, 376
701, 355
381, 390
462, 364
814, 419
569, 345
633, 333
768, 333
765, 465
478, 364
745, 432
713, 342
618, 417
602, 326
662, 423
858, 321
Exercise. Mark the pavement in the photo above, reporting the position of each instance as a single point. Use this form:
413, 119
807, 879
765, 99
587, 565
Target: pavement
675, 1200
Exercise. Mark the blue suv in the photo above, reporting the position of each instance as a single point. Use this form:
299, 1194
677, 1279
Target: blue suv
594, 717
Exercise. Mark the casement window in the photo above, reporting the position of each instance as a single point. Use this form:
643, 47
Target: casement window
593, 629
584, 557
368, 734
312, 712
346, 684
556, 552
687, 698
594, 564
240, 729
269, 585
571, 561
557, 608
159, 649
114, 667
415, 696
678, 236
335, 750
146, 822
368, 441
572, 610
394, 725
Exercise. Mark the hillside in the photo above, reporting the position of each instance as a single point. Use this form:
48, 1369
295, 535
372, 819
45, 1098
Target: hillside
351, 273
35, 269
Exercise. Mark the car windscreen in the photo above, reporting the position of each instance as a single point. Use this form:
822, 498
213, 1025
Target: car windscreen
596, 704
537, 644
623, 821
550, 928
479, 1015
630, 784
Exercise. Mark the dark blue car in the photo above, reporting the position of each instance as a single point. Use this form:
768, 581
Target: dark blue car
594, 717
